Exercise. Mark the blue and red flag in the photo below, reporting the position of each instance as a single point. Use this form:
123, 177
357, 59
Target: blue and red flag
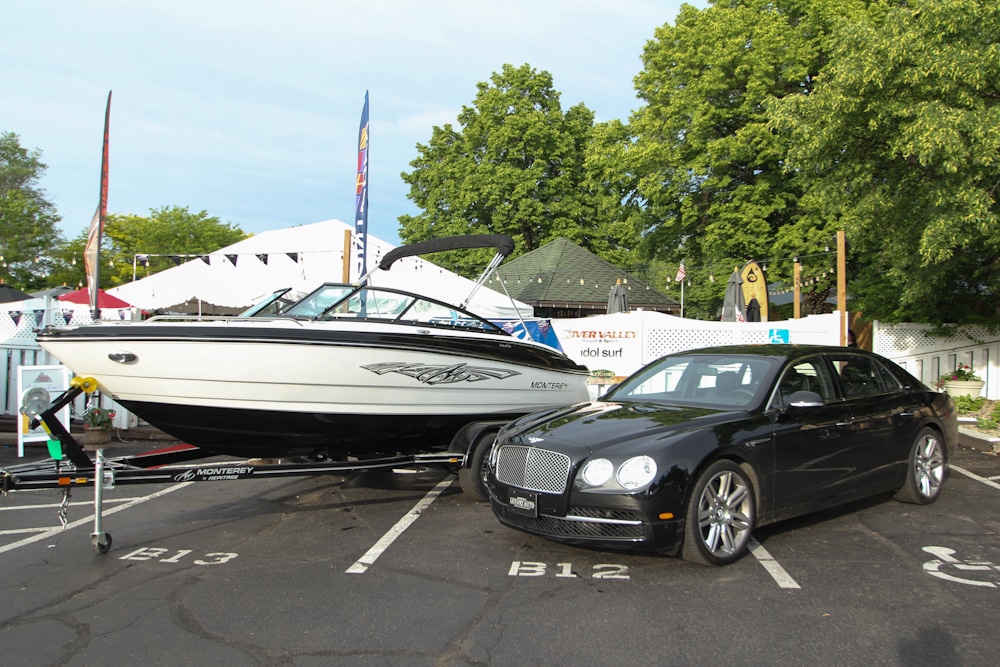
361, 195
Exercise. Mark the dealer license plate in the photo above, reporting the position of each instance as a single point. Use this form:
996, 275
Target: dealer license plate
523, 502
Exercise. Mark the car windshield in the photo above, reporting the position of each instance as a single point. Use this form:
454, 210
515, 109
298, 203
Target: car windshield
722, 381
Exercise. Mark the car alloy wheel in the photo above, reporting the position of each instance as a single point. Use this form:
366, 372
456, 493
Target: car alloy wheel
720, 516
925, 470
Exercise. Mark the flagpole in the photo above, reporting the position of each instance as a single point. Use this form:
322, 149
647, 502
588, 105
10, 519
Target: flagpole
681, 277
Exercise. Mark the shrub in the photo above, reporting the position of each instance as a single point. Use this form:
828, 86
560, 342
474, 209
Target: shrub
970, 404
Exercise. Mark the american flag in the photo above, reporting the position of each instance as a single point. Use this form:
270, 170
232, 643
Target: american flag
680, 273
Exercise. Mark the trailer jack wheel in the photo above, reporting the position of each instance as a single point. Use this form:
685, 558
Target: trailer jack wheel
101, 542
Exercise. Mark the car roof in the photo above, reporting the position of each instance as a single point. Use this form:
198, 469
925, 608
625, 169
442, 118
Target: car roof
783, 351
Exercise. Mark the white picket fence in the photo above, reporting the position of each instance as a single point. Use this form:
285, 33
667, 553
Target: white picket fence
927, 357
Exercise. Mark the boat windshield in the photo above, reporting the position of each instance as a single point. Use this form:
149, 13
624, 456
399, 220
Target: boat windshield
273, 305
338, 301
313, 305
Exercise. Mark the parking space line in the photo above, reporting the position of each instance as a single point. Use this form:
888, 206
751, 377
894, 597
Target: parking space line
772, 566
972, 475
107, 501
52, 532
21, 531
362, 564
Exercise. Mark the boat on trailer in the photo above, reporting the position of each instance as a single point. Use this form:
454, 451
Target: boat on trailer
346, 370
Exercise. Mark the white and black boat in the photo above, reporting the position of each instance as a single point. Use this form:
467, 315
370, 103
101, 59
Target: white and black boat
345, 370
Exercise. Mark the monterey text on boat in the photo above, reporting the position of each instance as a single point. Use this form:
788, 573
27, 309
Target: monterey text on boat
345, 370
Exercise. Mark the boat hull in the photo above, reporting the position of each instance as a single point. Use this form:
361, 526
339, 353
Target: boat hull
282, 387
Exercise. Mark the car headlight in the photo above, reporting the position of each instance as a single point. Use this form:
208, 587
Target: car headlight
637, 472
597, 471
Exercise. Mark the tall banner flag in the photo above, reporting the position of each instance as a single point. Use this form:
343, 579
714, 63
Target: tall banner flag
92, 251
361, 195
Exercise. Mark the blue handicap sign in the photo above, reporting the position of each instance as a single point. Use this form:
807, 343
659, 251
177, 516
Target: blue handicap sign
777, 336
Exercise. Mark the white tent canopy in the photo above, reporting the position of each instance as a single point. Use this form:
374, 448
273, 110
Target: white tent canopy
301, 258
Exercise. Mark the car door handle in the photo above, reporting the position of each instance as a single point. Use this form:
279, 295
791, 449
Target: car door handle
849, 422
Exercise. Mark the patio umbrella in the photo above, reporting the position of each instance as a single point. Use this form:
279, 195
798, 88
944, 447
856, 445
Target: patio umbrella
618, 299
733, 306
8, 294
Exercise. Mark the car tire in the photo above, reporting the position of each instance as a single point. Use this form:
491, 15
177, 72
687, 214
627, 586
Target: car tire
720, 516
924, 469
472, 478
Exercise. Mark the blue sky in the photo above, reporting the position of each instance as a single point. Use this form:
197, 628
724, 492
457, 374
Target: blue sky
249, 109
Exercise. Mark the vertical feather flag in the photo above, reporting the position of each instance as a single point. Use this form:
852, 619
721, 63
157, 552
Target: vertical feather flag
92, 251
361, 195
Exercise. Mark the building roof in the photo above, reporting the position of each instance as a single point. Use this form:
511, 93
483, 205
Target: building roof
562, 272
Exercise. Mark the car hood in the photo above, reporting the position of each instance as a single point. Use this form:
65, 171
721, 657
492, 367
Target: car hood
600, 426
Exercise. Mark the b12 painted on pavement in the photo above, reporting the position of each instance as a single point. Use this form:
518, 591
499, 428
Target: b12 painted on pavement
527, 568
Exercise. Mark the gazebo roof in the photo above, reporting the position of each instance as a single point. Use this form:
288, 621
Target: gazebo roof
562, 272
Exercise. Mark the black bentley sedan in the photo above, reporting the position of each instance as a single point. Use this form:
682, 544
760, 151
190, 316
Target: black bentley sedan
693, 451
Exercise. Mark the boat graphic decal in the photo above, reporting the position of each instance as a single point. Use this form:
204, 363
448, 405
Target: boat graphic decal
441, 374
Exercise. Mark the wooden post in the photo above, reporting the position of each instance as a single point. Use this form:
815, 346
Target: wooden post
347, 257
797, 289
842, 284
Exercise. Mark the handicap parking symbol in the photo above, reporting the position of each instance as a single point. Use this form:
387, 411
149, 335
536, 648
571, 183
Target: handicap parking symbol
779, 336
946, 562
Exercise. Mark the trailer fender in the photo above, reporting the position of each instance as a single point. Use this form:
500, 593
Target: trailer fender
475, 440
469, 436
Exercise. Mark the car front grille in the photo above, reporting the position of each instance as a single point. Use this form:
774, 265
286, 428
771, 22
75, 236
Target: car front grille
583, 522
532, 468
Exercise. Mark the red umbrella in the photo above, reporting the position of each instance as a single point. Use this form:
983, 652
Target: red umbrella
104, 300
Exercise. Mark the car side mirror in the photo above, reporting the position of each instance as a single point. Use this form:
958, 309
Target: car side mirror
805, 399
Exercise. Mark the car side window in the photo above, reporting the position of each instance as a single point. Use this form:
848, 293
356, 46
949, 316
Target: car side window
807, 375
859, 376
889, 379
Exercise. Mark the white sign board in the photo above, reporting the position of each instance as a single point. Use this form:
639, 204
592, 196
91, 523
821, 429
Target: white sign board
55, 380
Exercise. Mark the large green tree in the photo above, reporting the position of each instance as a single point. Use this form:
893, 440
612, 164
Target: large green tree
165, 233
516, 164
710, 169
901, 144
28, 233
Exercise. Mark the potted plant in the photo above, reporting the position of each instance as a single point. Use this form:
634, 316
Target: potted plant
96, 426
962, 381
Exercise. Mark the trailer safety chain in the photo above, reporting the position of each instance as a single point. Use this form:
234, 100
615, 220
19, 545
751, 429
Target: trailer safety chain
64, 506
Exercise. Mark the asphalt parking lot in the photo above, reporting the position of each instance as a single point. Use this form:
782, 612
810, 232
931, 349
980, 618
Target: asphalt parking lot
403, 569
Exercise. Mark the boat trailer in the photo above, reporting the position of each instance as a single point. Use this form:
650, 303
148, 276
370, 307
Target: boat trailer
71, 465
